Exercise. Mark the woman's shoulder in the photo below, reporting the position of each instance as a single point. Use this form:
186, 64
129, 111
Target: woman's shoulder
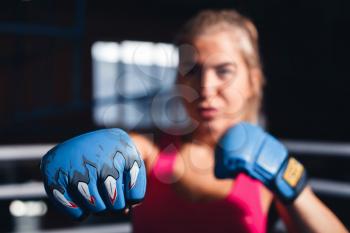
150, 144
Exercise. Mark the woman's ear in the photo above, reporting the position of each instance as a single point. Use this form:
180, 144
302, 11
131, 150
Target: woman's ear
256, 81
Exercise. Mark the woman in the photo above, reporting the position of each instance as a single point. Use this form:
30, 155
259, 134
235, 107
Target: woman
220, 63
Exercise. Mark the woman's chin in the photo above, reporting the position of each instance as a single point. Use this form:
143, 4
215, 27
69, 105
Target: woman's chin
217, 124
212, 124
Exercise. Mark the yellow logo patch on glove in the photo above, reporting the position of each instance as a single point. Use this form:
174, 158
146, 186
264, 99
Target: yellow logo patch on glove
293, 172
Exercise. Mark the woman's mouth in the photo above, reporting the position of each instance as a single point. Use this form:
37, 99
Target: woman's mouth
207, 113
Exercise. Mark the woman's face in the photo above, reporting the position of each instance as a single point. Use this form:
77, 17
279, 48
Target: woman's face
216, 70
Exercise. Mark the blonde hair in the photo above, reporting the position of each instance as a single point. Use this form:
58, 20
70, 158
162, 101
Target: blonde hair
210, 21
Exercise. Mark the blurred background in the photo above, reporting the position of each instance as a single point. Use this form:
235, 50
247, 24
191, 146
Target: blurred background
67, 67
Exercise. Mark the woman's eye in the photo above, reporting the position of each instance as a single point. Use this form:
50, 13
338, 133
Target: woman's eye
223, 72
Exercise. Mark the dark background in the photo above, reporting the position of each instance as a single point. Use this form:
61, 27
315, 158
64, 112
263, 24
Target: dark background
45, 61
46, 72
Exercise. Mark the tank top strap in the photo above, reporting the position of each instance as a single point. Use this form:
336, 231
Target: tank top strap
168, 143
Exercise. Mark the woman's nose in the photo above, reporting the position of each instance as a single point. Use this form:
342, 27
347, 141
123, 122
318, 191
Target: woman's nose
209, 84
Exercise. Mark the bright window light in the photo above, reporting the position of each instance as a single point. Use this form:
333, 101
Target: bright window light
127, 77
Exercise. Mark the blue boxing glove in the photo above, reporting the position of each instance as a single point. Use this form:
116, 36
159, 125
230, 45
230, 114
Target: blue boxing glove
96, 172
247, 148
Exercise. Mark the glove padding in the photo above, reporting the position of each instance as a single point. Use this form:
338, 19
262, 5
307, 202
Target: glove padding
247, 148
95, 172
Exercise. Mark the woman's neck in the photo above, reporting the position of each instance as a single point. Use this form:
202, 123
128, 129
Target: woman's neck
208, 134
205, 135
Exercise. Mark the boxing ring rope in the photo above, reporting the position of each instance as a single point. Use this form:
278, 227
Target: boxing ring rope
36, 189
330, 149
16, 153
23, 152
105, 228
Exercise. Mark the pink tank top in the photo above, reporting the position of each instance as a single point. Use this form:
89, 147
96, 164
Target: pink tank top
164, 211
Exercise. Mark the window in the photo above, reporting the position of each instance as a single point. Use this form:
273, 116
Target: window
133, 85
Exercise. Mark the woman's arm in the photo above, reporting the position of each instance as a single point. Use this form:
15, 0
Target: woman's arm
308, 214
147, 147
282, 174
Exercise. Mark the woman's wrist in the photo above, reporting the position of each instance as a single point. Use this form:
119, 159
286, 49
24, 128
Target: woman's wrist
310, 215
